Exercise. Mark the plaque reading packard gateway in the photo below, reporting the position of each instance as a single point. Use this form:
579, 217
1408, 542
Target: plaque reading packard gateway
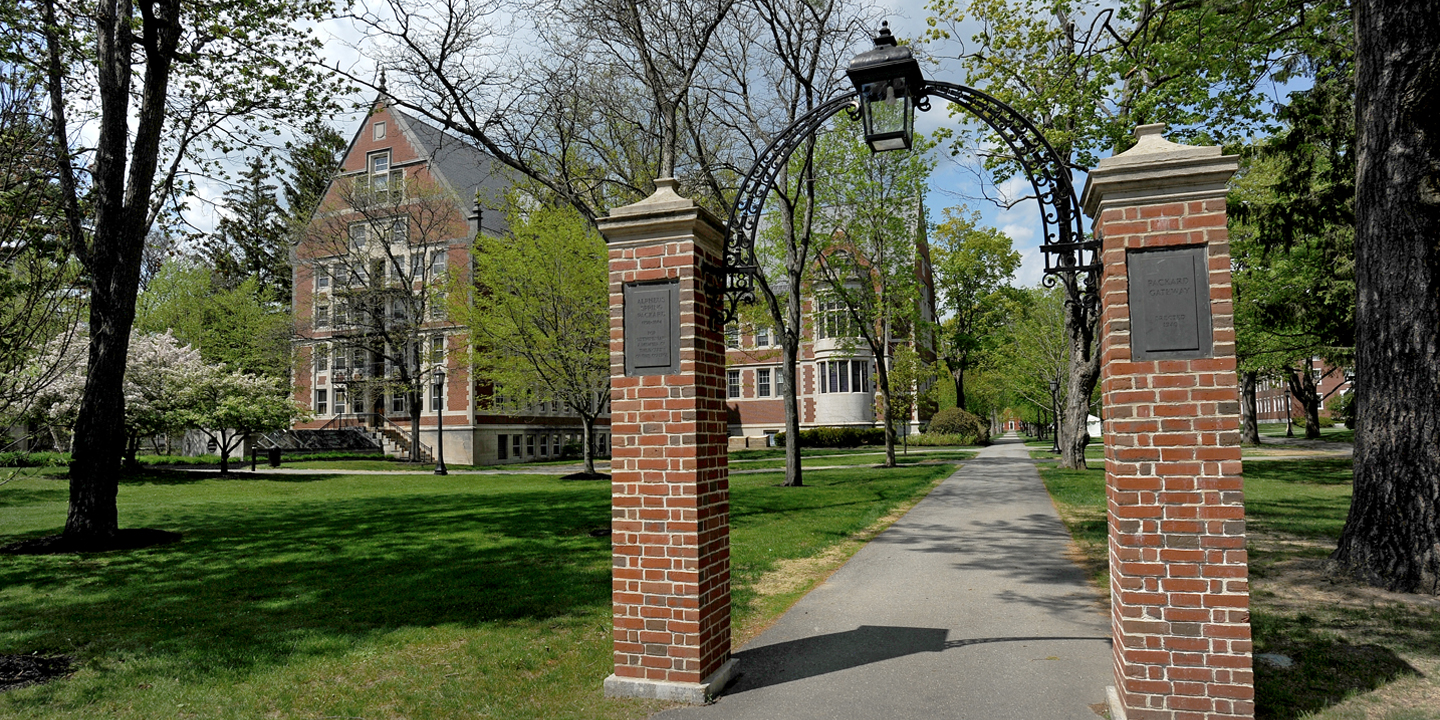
652, 329
1169, 303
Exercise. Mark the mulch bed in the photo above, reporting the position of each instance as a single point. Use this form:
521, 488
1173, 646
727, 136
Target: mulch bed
128, 539
17, 671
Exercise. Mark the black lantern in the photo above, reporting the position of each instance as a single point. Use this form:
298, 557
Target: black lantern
889, 81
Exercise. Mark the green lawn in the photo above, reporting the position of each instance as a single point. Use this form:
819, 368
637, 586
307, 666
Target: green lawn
1294, 511
1339, 433
416, 596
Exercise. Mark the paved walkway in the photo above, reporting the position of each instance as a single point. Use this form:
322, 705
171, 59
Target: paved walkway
965, 608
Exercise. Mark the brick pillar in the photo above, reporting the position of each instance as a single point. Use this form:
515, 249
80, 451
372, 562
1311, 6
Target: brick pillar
670, 489
1179, 592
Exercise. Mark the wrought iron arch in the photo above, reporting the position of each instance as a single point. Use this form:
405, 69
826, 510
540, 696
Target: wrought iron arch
1064, 242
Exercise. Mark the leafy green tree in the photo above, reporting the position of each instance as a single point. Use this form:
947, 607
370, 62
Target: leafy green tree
972, 270
229, 325
1293, 237
912, 385
1086, 73
230, 406
867, 267
164, 86
539, 312
39, 281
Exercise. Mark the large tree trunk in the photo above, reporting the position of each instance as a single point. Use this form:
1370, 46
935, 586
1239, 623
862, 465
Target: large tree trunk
1392, 535
112, 257
1249, 423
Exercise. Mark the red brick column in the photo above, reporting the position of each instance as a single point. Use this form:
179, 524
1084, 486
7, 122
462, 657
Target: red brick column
670, 491
1179, 591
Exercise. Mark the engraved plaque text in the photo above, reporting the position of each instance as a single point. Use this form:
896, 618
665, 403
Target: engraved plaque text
1169, 303
652, 329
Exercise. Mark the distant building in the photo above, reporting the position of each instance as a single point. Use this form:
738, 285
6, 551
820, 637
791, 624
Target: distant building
398, 220
835, 369
1274, 402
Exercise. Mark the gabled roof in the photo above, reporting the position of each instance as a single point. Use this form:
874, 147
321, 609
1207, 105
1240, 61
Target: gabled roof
466, 168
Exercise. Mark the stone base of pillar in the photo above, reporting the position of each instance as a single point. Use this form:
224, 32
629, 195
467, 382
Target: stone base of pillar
689, 693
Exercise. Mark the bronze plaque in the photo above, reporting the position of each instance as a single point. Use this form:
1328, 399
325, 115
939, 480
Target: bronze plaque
1169, 303
652, 329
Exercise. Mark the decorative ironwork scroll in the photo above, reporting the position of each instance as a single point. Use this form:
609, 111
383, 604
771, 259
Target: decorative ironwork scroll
1064, 243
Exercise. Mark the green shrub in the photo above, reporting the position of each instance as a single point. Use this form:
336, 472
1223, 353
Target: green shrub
35, 459
955, 421
836, 437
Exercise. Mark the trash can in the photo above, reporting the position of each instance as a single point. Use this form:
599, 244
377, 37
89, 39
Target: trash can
274, 455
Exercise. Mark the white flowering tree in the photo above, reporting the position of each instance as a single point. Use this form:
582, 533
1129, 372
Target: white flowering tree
159, 371
229, 406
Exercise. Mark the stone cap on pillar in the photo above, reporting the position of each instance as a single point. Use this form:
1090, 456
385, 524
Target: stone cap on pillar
1157, 170
664, 214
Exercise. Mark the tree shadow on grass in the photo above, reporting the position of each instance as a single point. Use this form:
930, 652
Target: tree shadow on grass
1324, 670
252, 586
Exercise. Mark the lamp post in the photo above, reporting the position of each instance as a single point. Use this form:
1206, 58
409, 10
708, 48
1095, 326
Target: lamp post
440, 424
1055, 413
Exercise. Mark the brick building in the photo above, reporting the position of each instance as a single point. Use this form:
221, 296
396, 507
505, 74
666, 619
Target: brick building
835, 368
1273, 397
396, 225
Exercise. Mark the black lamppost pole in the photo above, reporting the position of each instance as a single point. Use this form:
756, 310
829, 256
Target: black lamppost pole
1055, 415
440, 424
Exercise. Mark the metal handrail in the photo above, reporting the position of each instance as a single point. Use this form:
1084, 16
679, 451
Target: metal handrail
405, 432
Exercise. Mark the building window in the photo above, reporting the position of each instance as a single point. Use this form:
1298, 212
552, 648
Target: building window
832, 320
322, 358
515, 445
357, 239
437, 349
762, 337
544, 445
322, 316
437, 263
732, 336
397, 402
601, 442
762, 382
732, 382
378, 130
779, 382
339, 401
844, 376
435, 397
530, 445
322, 402
502, 447
379, 162
322, 277
400, 229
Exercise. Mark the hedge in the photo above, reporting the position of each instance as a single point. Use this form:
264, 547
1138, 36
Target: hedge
836, 437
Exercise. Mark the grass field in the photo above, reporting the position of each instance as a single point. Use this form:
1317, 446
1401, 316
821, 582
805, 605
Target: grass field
415, 596
1357, 652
